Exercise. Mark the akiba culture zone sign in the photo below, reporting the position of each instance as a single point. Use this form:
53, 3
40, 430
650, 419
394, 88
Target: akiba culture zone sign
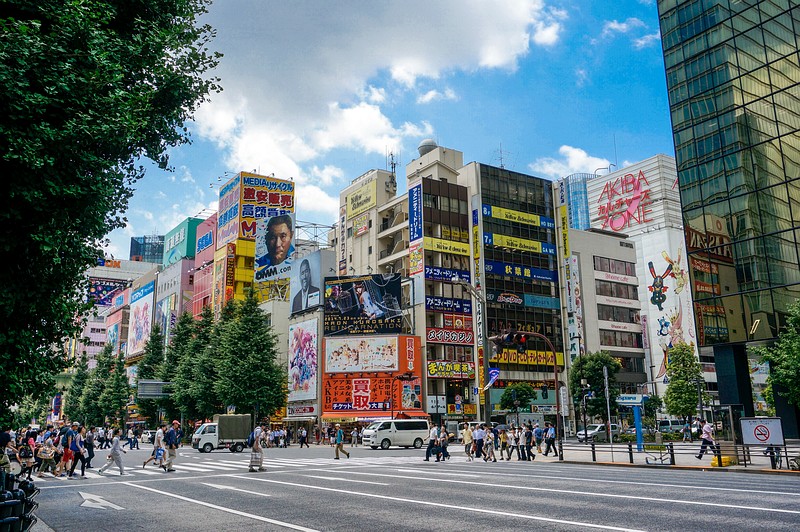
625, 202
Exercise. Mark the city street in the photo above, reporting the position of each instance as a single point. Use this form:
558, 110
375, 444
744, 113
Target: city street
396, 490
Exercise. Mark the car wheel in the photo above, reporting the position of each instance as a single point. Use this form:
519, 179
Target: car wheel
385, 444
418, 443
238, 448
207, 448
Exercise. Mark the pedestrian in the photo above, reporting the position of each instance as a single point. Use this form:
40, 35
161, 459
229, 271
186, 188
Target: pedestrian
101, 437
136, 434
47, 453
488, 447
468, 441
444, 441
550, 439
171, 443
512, 442
26, 457
114, 456
257, 452
64, 446
433, 436
332, 434
354, 437
79, 450
538, 436
529, 443
109, 436
479, 435
340, 442
303, 434
89, 444
686, 431
157, 456
707, 437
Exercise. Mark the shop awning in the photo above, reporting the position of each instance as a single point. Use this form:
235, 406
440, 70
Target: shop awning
306, 418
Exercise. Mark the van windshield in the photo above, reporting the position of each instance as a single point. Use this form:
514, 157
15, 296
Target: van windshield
373, 425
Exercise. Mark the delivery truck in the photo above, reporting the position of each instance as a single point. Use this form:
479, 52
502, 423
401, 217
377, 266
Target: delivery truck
227, 431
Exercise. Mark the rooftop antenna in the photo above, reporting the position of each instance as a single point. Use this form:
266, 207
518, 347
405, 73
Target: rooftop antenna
500, 156
616, 161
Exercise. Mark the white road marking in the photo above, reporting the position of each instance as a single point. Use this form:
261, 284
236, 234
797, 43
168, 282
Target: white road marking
231, 488
448, 473
96, 501
347, 480
224, 509
183, 467
585, 493
503, 513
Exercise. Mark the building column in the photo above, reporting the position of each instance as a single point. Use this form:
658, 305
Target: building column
733, 376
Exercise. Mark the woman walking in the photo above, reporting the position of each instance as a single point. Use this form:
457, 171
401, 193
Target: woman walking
79, 450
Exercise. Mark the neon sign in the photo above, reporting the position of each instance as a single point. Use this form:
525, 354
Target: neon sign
625, 202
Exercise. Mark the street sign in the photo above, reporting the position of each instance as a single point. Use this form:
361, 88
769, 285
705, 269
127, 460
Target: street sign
630, 399
766, 431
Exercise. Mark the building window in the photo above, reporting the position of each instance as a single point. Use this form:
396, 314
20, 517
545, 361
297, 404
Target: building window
369, 250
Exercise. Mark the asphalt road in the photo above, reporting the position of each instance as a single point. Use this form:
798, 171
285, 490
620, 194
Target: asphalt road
395, 490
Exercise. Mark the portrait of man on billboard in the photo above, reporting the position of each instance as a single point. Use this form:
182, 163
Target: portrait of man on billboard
279, 241
308, 295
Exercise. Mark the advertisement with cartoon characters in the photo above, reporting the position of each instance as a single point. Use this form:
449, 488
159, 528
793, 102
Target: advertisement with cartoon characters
303, 349
141, 318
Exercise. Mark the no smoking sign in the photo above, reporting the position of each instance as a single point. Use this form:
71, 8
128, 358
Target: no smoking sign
760, 431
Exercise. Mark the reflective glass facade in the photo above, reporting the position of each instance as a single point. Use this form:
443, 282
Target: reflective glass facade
733, 75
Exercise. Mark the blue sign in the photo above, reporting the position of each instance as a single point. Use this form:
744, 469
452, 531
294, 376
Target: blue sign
415, 213
552, 303
143, 291
516, 270
205, 241
446, 304
446, 274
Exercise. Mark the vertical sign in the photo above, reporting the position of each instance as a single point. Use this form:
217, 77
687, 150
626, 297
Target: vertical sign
342, 240
415, 230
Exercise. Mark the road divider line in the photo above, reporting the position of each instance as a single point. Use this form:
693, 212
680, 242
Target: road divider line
224, 509
348, 480
502, 513
231, 488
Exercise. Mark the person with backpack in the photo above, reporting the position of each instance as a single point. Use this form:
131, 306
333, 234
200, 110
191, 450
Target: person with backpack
79, 451
25, 457
340, 442
171, 442
66, 434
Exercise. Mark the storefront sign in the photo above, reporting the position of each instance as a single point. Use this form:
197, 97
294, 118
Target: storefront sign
517, 216
523, 272
362, 199
446, 246
447, 369
505, 241
624, 202
446, 304
447, 336
436, 273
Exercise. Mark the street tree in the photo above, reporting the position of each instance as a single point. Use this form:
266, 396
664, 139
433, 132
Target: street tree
72, 405
249, 375
590, 367
185, 345
784, 360
522, 391
114, 398
90, 89
684, 372
147, 369
91, 409
177, 350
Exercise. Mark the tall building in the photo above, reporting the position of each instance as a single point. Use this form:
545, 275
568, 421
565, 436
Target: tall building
576, 200
732, 70
148, 248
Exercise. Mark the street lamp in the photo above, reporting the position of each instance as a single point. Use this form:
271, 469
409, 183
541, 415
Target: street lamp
484, 342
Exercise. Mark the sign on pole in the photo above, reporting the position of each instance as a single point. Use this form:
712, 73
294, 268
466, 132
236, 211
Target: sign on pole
767, 431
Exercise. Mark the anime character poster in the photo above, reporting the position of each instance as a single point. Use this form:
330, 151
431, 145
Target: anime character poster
303, 349
367, 304
141, 318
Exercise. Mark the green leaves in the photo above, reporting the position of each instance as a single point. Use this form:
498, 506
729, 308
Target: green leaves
684, 372
784, 360
525, 393
590, 367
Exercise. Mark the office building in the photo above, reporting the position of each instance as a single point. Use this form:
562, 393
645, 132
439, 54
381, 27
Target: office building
148, 248
733, 76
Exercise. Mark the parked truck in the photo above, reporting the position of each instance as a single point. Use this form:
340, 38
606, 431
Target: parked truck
227, 431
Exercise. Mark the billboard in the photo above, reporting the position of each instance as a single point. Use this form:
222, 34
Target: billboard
367, 393
141, 317
303, 349
361, 354
228, 211
102, 291
363, 199
247, 198
307, 279
367, 304
361, 225
274, 247
180, 242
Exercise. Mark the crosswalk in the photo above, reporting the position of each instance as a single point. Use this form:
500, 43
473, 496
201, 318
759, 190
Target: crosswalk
189, 466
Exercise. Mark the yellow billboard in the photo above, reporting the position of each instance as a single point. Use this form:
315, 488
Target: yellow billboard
562, 211
517, 243
446, 246
362, 199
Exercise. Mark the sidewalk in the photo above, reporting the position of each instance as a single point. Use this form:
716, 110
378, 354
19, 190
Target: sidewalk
685, 457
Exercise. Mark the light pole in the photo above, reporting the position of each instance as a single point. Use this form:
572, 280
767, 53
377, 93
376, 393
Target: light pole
484, 343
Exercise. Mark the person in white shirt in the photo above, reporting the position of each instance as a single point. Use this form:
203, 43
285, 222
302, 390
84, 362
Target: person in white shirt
354, 438
257, 452
114, 457
708, 440
433, 435
480, 437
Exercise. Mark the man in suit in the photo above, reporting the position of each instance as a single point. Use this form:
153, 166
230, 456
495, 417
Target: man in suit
308, 294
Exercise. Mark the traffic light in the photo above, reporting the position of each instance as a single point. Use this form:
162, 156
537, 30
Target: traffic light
544, 391
521, 341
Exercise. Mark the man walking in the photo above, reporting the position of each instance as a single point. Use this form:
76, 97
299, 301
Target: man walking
466, 438
480, 436
433, 436
114, 457
257, 452
171, 442
303, 437
707, 438
550, 439
340, 442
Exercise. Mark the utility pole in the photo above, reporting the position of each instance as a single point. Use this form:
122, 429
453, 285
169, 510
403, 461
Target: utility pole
608, 408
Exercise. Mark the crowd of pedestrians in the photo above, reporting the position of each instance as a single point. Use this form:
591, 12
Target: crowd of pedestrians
489, 443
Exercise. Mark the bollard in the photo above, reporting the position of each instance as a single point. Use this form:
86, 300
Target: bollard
630, 452
671, 448
560, 451
594, 455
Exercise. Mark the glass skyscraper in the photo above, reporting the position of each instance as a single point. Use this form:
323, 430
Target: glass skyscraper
733, 74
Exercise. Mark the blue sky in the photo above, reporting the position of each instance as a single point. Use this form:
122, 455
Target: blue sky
320, 91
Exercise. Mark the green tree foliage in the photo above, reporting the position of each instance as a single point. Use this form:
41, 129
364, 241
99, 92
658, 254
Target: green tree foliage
650, 410
203, 372
147, 369
249, 376
183, 341
116, 393
91, 408
177, 350
32, 409
90, 88
683, 372
525, 393
590, 367
72, 405
784, 360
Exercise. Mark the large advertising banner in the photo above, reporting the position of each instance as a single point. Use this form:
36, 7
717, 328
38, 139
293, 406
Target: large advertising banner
141, 317
263, 197
517, 216
306, 280
367, 392
274, 247
362, 199
303, 349
342, 240
368, 304
361, 354
228, 217
416, 254
102, 291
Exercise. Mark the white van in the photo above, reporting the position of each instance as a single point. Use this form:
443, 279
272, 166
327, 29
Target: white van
398, 432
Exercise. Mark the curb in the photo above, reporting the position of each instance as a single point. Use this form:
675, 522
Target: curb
688, 468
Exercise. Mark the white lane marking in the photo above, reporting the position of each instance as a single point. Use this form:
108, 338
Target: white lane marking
448, 473
585, 493
231, 488
634, 483
503, 513
212, 466
348, 480
183, 467
96, 501
224, 509
144, 472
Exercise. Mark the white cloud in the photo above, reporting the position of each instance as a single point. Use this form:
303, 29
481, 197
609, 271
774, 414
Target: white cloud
374, 94
160, 195
186, 177
327, 175
573, 160
613, 26
434, 95
581, 77
317, 201
647, 40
